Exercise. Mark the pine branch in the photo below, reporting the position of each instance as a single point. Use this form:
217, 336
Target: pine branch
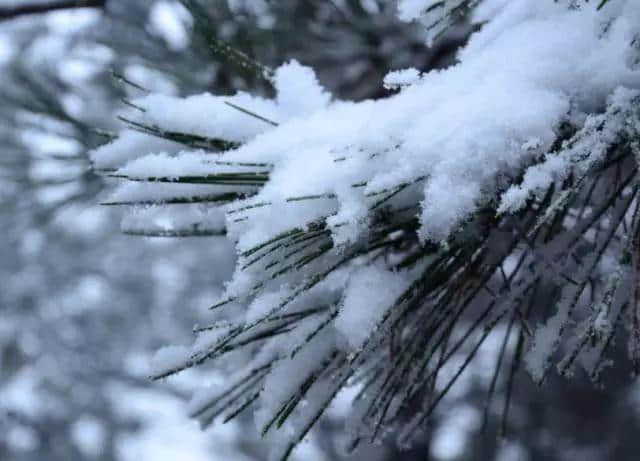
551, 219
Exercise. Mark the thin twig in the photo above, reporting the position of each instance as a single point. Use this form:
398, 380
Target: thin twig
12, 12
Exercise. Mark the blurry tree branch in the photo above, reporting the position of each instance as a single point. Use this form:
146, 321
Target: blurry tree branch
34, 8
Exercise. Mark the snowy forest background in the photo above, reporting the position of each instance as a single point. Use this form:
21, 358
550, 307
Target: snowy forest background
84, 307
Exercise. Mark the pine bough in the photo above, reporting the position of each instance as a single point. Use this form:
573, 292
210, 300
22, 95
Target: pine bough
377, 241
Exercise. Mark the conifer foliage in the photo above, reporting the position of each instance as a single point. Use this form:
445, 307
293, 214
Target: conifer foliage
380, 243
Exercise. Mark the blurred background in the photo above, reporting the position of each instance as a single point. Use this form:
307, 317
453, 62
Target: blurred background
83, 308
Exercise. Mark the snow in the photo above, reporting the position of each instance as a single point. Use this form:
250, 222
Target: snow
262, 304
481, 117
299, 94
128, 146
447, 144
158, 219
399, 78
169, 357
298, 90
588, 147
173, 166
545, 343
289, 374
215, 118
148, 192
371, 291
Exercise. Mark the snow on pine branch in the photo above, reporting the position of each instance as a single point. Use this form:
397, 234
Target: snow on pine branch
378, 242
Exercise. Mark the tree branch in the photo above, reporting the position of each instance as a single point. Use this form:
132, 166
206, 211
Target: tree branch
13, 12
